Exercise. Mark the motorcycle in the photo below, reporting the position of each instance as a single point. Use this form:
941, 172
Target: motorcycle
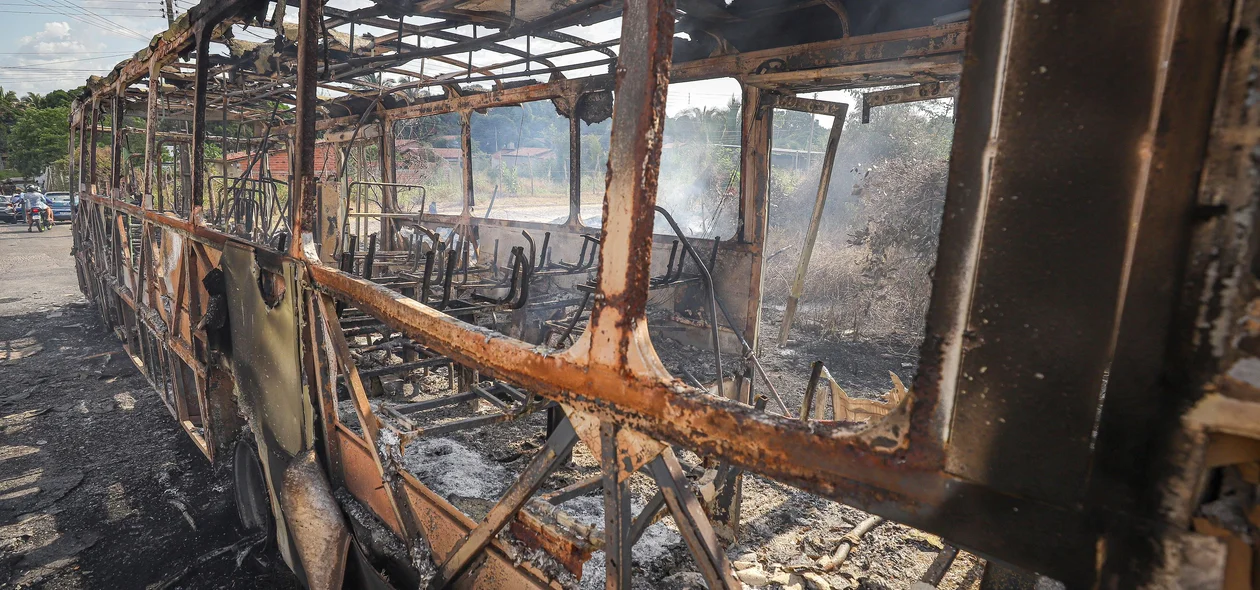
40, 217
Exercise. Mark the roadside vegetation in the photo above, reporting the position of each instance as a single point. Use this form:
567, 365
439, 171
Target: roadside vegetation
34, 131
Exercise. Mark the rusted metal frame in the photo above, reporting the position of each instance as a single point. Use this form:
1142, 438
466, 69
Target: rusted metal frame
180, 311
756, 123
466, 160
504, 97
907, 94
347, 75
392, 39
96, 123
168, 221
318, 363
538, 71
861, 74
214, 113
195, 267
554, 453
446, 524
692, 522
116, 149
176, 136
389, 178
152, 159
200, 87
944, 40
815, 219
1150, 462
857, 469
617, 315
929, 41
561, 37
727, 506
618, 521
483, 42
303, 208
826, 108
86, 147
712, 304
119, 252
601, 47
383, 455
71, 155
575, 163
894, 45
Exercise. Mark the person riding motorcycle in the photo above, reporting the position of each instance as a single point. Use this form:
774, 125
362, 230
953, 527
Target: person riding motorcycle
33, 199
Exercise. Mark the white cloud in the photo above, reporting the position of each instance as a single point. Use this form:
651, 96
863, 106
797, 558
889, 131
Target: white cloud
52, 43
54, 57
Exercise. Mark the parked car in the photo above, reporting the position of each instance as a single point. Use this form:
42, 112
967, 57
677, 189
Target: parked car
61, 206
12, 210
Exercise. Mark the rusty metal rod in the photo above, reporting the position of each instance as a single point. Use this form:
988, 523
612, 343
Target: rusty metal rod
807, 404
708, 282
403, 367
433, 404
578, 488
936, 572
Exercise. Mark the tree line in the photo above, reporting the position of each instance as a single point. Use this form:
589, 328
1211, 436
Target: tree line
34, 131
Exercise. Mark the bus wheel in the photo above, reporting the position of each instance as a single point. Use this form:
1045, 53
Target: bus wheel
253, 505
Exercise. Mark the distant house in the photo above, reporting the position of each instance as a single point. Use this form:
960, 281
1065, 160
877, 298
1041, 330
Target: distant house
421, 151
451, 155
327, 161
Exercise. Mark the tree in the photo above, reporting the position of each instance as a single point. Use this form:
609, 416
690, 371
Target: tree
39, 138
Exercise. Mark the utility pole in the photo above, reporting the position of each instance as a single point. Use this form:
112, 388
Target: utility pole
170, 12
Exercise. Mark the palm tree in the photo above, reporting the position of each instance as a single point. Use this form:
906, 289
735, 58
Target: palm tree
33, 100
373, 81
9, 104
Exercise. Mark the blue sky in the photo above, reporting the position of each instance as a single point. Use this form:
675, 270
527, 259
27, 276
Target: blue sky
51, 44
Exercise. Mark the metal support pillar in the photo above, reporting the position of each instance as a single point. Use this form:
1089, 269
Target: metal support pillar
302, 208
115, 141
465, 159
635, 153
201, 82
152, 160
389, 193
96, 129
575, 163
618, 522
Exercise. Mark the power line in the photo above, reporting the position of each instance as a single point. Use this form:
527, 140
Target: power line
91, 23
103, 19
127, 11
63, 61
63, 53
89, 18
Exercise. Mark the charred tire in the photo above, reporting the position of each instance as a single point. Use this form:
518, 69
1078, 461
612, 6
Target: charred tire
253, 504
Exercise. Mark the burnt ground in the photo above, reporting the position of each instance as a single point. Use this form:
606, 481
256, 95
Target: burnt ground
99, 486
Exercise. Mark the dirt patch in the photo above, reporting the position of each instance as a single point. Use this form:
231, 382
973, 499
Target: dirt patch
99, 486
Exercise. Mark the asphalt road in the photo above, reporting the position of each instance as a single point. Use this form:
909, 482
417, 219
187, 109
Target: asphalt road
99, 487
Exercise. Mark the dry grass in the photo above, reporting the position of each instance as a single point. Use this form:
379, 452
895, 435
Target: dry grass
870, 272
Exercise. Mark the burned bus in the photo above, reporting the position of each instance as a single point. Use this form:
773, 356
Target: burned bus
445, 287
